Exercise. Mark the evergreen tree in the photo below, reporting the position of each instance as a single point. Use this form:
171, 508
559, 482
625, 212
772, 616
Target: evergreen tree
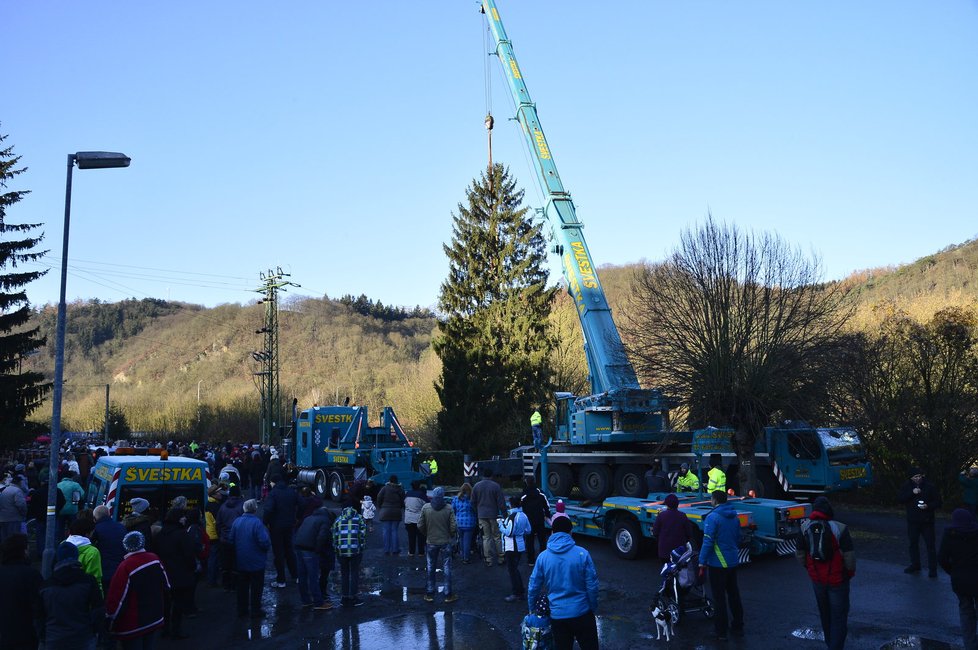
20, 392
493, 340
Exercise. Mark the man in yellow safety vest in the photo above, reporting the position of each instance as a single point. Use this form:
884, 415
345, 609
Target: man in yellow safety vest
687, 481
536, 422
716, 479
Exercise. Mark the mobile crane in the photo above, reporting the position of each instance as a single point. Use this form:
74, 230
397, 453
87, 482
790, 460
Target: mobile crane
605, 441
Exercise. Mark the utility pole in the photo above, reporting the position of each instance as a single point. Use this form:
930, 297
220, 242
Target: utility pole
268, 385
107, 414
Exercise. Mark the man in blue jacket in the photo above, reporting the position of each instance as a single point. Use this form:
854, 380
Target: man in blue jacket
565, 573
251, 542
721, 537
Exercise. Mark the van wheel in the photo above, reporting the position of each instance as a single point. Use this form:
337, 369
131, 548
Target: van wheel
320, 482
335, 486
626, 539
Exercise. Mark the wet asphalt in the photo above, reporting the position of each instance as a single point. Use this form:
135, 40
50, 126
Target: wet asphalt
888, 608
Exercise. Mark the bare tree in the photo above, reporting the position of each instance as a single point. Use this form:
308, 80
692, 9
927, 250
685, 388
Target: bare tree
738, 328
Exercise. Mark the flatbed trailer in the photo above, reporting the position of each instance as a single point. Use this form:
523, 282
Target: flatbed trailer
767, 525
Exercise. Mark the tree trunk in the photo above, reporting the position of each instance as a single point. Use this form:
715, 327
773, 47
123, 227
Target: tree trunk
747, 471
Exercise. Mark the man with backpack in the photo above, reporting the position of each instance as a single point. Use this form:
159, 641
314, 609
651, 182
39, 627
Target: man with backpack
825, 549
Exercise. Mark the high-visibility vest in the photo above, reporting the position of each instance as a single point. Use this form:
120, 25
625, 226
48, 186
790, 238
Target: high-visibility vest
717, 480
536, 419
433, 466
688, 483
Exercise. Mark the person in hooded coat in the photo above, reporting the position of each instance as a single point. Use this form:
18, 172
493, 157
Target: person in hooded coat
565, 574
719, 555
958, 556
20, 584
671, 528
922, 499
70, 602
437, 523
178, 549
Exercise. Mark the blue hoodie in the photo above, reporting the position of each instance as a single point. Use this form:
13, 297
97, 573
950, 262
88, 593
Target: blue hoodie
721, 538
565, 572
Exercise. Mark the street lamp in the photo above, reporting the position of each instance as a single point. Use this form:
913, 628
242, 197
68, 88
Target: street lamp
84, 160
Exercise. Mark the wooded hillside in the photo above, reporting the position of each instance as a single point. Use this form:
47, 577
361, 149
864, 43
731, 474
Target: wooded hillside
156, 354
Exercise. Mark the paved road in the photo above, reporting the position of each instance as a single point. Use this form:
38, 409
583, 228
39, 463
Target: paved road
780, 610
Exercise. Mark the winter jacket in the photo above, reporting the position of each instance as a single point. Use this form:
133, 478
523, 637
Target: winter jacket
721, 538
414, 500
13, 504
230, 510
513, 529
251, 543
487, 499
687, 482
316, 533
841, 566
390, 502
716, 480
438, 526
18, 602
535, 507
107, 537
89, 557
349, 533
464, 512
671, 530
958, 555
74, 494
139, 523
210, 519
281, 508
177, 549
928, 494
566, 574
369, 507
71, 606
134, 604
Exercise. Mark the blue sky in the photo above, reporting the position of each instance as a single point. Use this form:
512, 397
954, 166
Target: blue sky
335, 139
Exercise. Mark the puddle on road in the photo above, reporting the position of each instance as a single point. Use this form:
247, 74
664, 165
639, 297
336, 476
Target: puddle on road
916, 643
438, 630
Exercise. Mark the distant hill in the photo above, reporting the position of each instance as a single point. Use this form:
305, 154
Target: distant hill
156, 355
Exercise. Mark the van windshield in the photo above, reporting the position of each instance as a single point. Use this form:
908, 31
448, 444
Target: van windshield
843, 446
160, 497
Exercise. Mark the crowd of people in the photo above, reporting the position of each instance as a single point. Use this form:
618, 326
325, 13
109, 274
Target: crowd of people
132, 582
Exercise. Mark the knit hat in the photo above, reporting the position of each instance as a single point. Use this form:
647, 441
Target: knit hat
672, 501
560, 506
561, 524
541, 606
438, 498
684, 466
66, 551
963, 521
134, 541
139, 505
821, 504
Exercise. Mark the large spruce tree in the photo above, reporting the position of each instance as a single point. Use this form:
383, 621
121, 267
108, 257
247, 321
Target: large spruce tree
20, 392
494, 340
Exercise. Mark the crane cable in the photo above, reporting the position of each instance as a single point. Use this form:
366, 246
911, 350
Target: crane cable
487, 82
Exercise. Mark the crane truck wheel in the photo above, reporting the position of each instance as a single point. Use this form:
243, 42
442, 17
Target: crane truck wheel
335, 486
630, 481
595, 482
320, 482
626, 539
560, 480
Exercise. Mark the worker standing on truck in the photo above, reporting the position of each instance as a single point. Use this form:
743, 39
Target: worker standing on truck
536, 426
716, 479
429, 468
686, 481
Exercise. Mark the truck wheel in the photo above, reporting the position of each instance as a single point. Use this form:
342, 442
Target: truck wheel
560, 480
335, 486
626, 539
595, 482
630, 481
320, 482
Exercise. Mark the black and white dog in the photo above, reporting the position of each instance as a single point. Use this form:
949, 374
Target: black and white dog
662, 618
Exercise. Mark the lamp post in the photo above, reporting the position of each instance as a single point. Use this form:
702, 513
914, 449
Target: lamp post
84, 160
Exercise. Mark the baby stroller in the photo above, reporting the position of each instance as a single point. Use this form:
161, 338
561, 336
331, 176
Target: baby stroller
682, 591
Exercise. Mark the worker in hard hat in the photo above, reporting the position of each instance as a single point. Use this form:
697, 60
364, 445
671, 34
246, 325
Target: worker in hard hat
686, 481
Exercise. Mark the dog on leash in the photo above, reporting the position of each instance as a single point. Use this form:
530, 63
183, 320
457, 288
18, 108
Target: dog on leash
662, 618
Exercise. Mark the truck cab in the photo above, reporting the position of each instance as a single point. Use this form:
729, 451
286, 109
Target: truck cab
817, 460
